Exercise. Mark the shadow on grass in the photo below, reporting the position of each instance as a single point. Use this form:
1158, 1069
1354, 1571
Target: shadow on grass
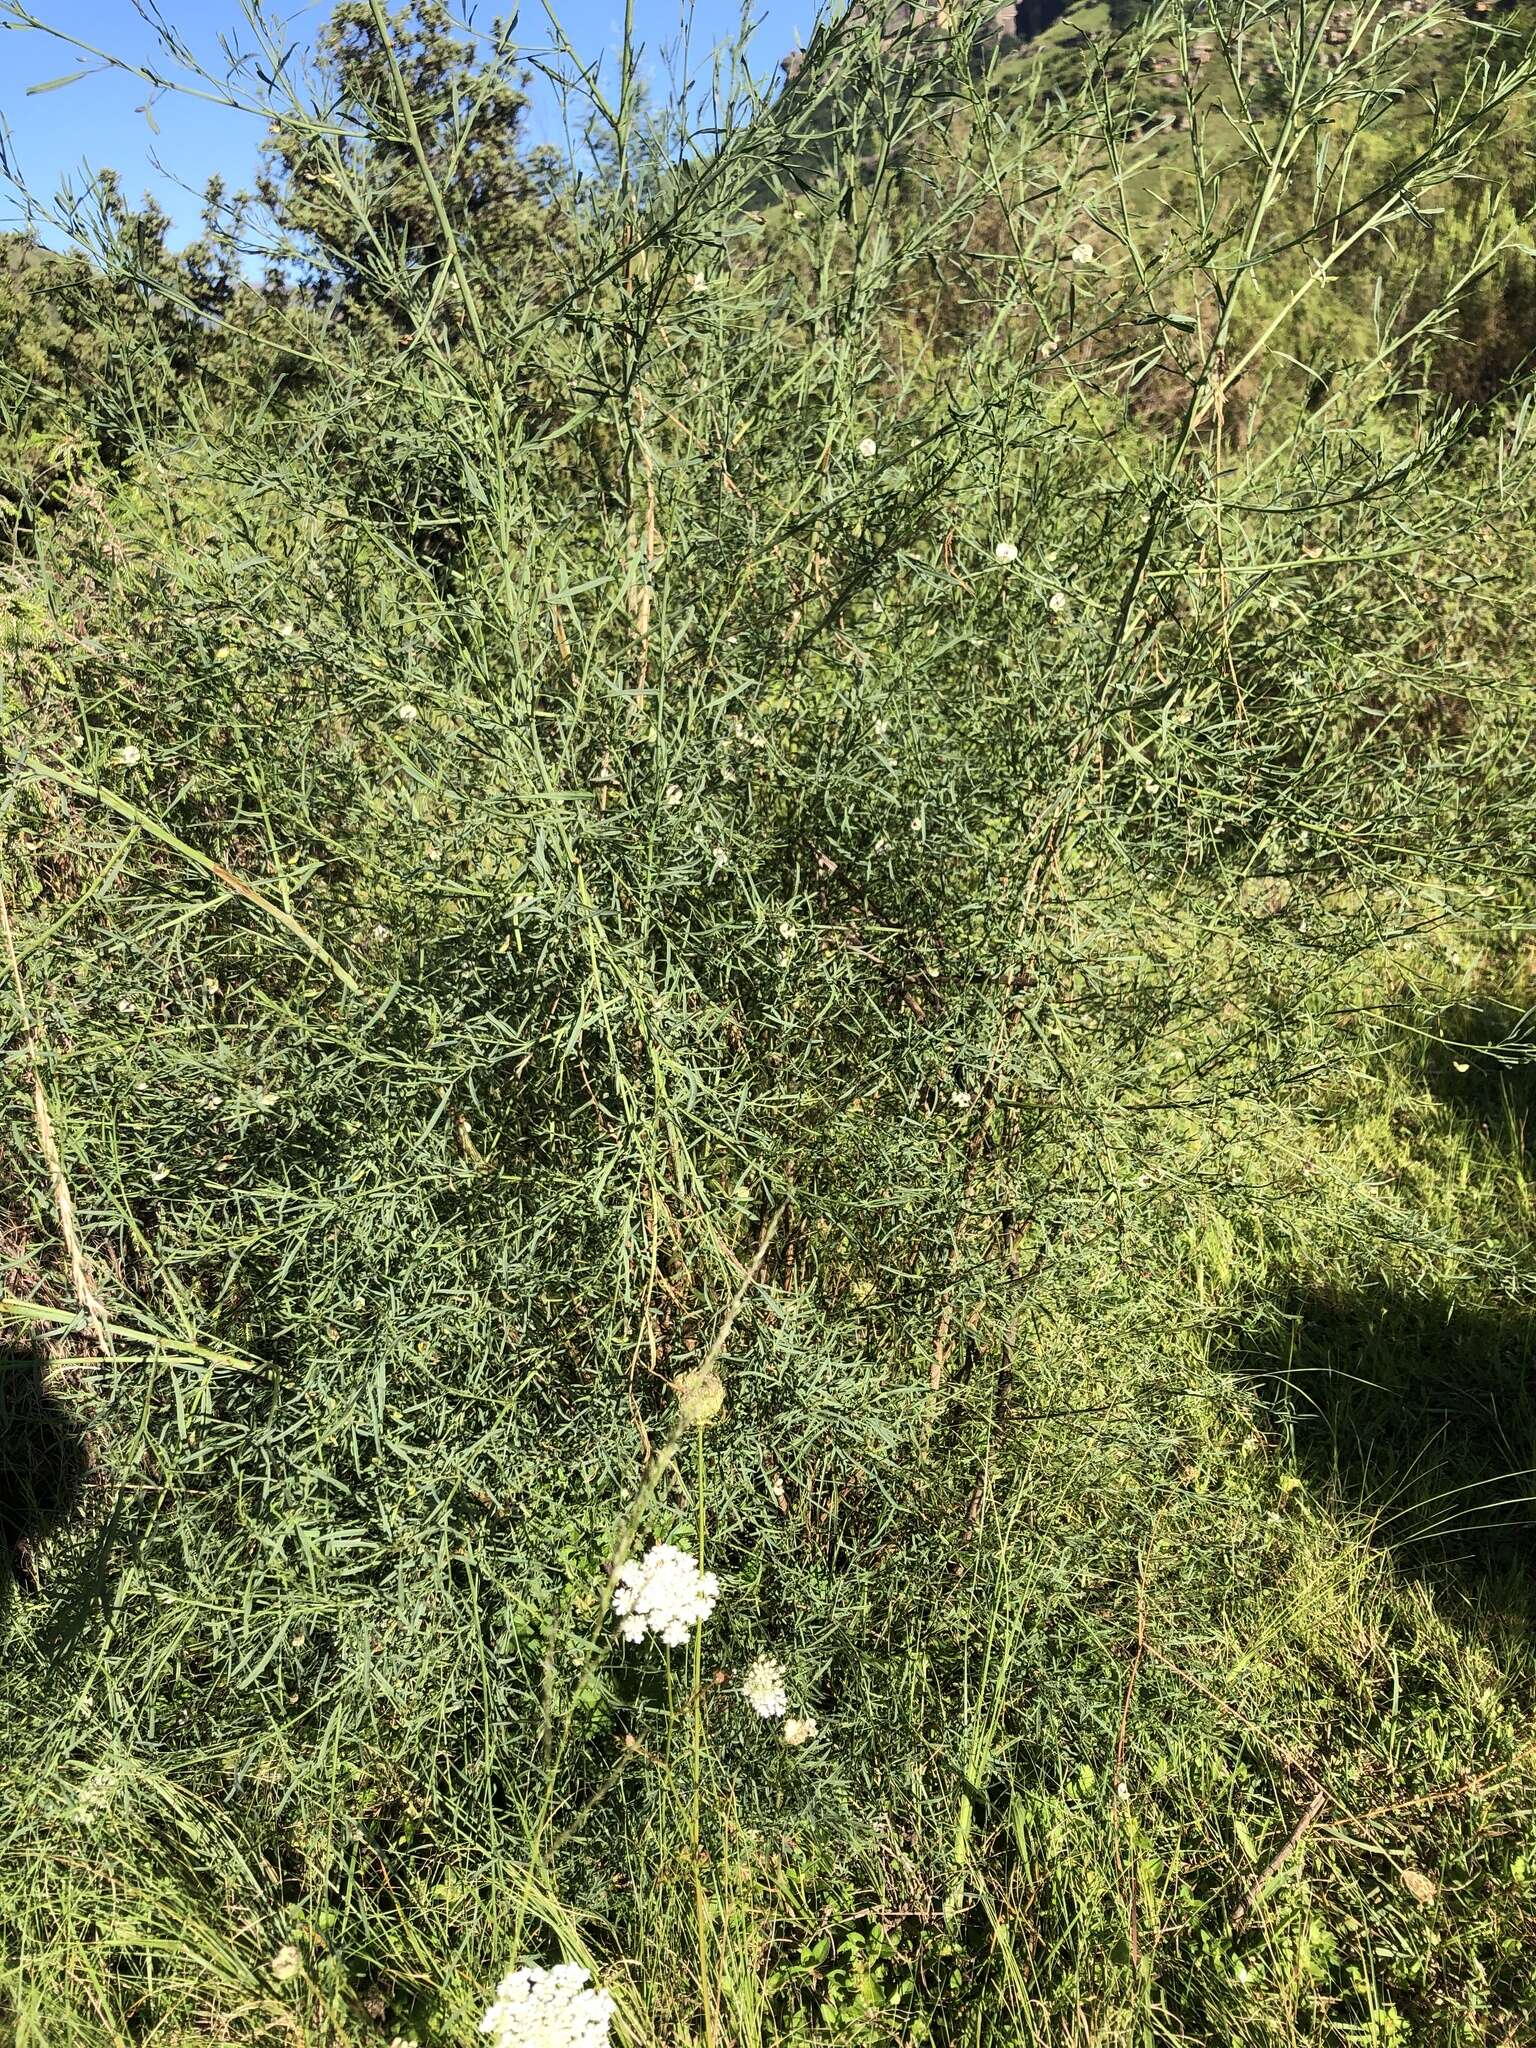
42, 1468
1481, 1064
1419, 1411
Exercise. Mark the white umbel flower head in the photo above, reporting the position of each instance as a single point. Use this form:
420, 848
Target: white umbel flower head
537, 2008
763, 1688
868, 449
1057, 602
797, 1733
1083, 253
1006, 552
665, 1595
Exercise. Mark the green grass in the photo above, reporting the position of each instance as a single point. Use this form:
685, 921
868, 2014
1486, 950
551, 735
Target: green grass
1063, 1067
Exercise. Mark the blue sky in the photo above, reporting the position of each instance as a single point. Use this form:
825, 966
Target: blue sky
100, 121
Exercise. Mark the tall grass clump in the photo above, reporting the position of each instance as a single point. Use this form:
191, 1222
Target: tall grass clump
730, 844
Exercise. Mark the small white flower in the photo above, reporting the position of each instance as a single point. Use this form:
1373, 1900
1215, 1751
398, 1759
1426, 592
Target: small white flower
286, 1964
1122, 1790
128, 756
674, 795
698, 282
538, 2008
95, 1796
868, 449
798, 1732
786, 930
719, 856
882, 727
1005, 551
407, 713
880, 846
1057, 602
1082, 254
961, 1098
763, 1688
664, 1593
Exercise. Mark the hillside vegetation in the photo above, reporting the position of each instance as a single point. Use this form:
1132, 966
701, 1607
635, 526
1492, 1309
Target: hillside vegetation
810, 838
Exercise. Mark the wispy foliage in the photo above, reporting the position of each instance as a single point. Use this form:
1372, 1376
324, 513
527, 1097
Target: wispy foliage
728, 874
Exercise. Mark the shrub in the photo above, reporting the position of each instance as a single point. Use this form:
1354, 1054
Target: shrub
546, 870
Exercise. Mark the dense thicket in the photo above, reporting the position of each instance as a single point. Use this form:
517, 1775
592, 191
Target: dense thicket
867, 755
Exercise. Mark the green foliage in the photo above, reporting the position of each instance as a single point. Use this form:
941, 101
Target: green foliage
415, 151
106, 352
887, 765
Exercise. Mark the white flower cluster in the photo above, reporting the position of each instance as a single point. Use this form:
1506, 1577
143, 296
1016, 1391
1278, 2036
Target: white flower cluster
665, 1594
763, 1689
765, 1692
537, 2008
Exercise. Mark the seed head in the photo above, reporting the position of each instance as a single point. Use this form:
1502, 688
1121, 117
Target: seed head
700, 1396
